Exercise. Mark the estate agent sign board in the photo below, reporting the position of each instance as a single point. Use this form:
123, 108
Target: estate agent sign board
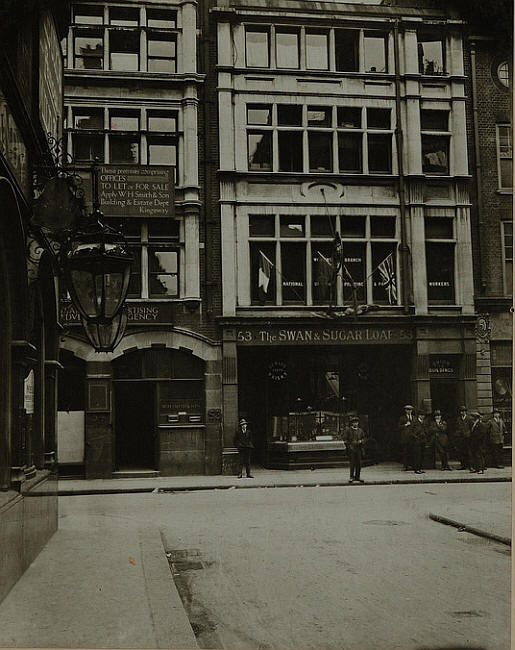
136, 191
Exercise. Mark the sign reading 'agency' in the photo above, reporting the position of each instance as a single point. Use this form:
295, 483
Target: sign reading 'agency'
136, 191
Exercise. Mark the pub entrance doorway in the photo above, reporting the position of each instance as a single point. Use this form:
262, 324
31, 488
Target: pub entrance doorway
135, 424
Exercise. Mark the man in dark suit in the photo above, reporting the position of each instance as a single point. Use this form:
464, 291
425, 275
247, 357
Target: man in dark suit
418, 443
462, 432
405, 423
355, 439
478, 434
496, 430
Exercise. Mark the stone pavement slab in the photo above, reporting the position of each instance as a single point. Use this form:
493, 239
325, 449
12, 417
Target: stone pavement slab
97, 586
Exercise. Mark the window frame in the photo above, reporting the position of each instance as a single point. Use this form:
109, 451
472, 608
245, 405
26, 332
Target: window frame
444, 241
507, 243
431, 38
500, 157
261, 29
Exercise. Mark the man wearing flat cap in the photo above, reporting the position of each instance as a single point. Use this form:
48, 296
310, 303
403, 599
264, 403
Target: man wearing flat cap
496, 430
462, 432
354, 439
243, 442
478, 435
406, 422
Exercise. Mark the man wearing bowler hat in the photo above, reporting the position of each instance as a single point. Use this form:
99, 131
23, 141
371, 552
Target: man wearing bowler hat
406, 422
462, 431
354, 438
243, 442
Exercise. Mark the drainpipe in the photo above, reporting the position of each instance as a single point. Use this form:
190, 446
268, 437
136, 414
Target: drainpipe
477, 157
399, 141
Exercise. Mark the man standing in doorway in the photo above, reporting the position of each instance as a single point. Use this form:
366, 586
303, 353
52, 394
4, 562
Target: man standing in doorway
405, 438
496, 429
355, 438
243, 442
462, 431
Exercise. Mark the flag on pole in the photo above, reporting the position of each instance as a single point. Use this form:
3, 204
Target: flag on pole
264, 275
388, 279
325, 273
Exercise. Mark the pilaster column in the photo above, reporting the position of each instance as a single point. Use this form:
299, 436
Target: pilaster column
229, 270
214, 422
465, 282
418, 249
190, 157
230, 399
421, 388
189, 37
191, 252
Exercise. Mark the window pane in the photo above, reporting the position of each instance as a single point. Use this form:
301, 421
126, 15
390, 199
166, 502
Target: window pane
319, 116
163, 285
355, 265
135, 277
352, 226
349, 152
88, 119
162, 153
346, 47
162, 122
323, 225
293, 273
320, 152
378, 118
124, 16
380, 153
384, 277
287, 49
382, 227
257, 48
435, 154
88, 15
124, 149
439, 228
292, 226
288, 115
375, 53
161, 18
349, 117
260, 151
430, 55
262, 273
503, 73
290, 151
89, 51
261, 225
431, 120
162, 261
163, 270
88, 147
124, 47
322, 272
163, 47
506, 167
317, 57
508, 256
440, 272
162, 65
163, 229
259, 114
124, 122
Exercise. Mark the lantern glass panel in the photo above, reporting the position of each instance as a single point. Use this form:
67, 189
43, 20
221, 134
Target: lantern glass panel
85, 289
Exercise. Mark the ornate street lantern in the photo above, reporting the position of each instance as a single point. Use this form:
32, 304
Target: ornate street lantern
97, 265
105, 337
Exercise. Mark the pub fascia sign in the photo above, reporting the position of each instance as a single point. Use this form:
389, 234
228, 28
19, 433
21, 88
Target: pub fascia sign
136, 191
322, 336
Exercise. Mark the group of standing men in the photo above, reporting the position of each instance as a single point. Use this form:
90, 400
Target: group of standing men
472, 441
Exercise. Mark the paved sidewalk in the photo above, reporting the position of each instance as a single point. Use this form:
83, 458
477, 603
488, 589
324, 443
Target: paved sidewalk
382, 474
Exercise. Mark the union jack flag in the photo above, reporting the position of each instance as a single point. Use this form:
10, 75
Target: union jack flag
388, 280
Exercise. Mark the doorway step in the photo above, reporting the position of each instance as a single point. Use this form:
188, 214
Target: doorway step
136, 473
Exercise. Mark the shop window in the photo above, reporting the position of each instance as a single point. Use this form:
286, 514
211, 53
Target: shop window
290, 151
88, 118
262, 225
161, 18
287, 48
257, 47
317, 50
155, 270
293, 272
124, 50
165, 121
262, 273
124, 149
292, 226
124, 120
434, 120
431, 59
289, 115
378, 118
323, 272
161, 52
384, 274
124, 16
320, 146
87, 147
89, 50
88, 15
349, 117
505, 156
507, 235
349, 152
259, 114
379, 153
259, 150
435, 155
346, 43
440, 272
375, 52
